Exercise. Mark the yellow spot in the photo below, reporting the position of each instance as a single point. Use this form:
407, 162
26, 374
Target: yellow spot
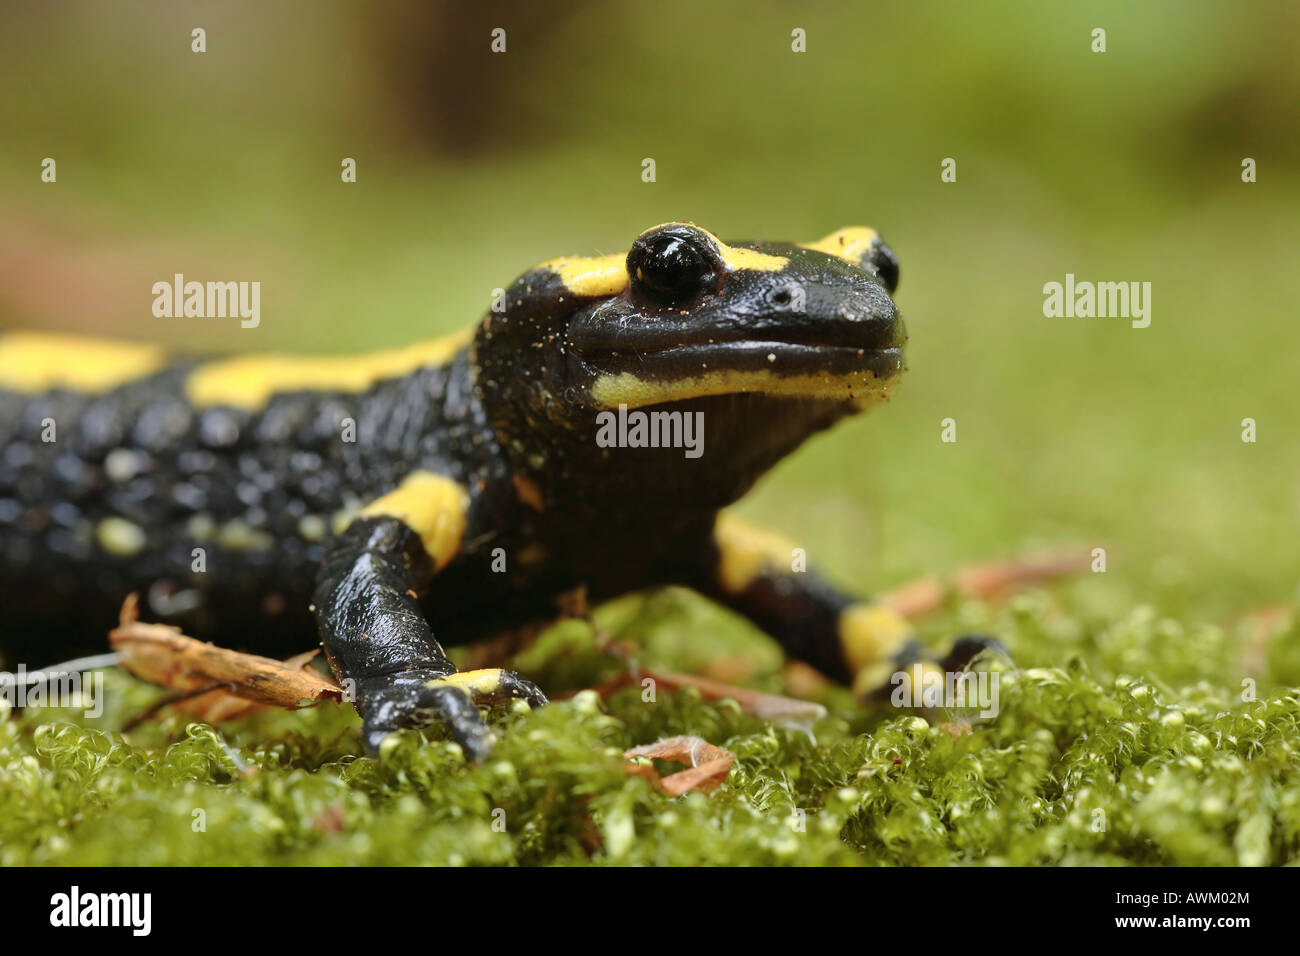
312, 528
249, 381
239, 535
120, 537
872, 679
594, 276
870, 634
432, 506
201, 527
861, 387
32, 362
123, 464
850, 244
921, 677
746, 550
481, 683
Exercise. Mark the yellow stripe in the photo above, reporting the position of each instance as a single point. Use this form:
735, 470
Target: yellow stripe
748, 260
626, 388
248, 381
849, 244
479, 684
433, 507
870, 634
746, 550
599, 276
33, 362
734, 258
595, 276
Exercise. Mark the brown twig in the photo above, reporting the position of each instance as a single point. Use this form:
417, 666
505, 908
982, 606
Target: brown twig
709, 764
985, 580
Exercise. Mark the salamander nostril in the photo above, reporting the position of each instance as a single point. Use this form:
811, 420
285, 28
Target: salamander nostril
790, 298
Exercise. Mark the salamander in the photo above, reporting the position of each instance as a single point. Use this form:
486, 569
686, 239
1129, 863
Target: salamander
399, 502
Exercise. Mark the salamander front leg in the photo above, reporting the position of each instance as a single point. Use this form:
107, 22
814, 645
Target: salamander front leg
857, 642
375, 635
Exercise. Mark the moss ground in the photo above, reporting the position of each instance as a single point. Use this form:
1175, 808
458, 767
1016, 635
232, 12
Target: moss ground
1089, 761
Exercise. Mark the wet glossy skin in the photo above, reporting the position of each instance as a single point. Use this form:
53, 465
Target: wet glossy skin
470, 491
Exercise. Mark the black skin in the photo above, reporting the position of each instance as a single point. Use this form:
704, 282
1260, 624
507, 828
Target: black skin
510, 419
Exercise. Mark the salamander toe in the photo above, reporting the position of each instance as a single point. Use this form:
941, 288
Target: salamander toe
417, 700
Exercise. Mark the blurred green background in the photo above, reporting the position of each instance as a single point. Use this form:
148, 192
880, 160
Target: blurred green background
472, 166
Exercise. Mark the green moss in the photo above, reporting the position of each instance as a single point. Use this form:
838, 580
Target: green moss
1091, 761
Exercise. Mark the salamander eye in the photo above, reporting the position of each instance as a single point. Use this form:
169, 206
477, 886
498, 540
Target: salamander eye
886, 263
670, 268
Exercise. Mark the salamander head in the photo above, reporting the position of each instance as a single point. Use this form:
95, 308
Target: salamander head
770, 341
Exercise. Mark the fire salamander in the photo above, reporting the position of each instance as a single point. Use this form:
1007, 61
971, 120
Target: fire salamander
455, 487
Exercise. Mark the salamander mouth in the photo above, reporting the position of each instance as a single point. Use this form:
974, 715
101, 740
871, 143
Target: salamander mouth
597, 335
824, 372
